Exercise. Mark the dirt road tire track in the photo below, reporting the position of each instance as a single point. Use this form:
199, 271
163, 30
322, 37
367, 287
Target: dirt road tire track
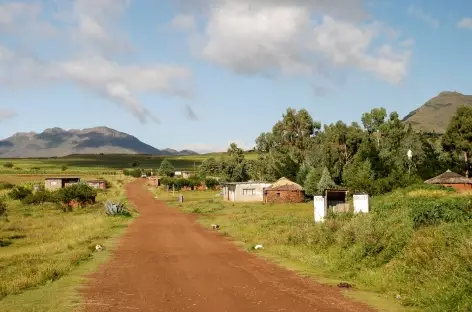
165, 262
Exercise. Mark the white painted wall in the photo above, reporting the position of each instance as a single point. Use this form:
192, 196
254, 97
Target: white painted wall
361, 203
319, 209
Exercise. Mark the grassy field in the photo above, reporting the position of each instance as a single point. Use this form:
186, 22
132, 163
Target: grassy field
101, 164
414, 246
45, 251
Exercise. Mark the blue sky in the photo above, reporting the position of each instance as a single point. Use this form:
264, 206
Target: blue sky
201, 73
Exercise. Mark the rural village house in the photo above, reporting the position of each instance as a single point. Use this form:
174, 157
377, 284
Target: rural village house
284, 191
97, 184
244, 191
452, 179
182, 174
58, 183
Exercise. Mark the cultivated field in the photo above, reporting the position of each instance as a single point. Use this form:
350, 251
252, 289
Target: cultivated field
101, 164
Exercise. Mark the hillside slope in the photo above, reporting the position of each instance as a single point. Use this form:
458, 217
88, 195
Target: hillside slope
57, 142
436, 113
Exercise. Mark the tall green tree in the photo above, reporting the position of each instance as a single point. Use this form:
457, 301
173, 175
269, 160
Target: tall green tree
358, 176
166, 168
234, 167
458, 137
312, 180
209, 167
326, 182
284, 150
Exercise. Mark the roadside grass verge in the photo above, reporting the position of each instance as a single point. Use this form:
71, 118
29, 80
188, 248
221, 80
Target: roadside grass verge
46, 250
414, 246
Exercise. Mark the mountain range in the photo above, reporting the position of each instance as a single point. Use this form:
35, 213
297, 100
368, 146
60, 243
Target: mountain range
431, 117
435, 114
57, 142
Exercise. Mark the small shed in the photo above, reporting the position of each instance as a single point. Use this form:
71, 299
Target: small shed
284, 191
452, 179
337, 198
58, 183
97, 184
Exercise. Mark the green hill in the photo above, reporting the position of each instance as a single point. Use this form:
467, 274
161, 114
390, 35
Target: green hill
436, 113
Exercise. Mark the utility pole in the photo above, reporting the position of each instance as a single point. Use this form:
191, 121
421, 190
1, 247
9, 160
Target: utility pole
410, 155
467, 165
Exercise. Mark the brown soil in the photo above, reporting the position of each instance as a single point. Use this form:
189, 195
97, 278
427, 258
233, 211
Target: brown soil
166, 262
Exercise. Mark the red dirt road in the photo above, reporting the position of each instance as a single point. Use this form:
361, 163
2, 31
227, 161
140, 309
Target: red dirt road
166, 262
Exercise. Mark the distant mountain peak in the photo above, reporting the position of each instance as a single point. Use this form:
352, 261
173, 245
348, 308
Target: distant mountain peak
450, 93
59, 142
435, 114
54, 130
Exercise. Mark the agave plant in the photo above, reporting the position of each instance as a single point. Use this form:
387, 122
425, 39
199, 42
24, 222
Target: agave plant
113, 209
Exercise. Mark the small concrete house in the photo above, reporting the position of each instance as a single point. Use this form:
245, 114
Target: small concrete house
244, 191
284, 191
97, 184
452, 179
58, 183
182, 174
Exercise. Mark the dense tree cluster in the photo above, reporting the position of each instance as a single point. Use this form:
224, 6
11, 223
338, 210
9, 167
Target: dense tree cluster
371, 156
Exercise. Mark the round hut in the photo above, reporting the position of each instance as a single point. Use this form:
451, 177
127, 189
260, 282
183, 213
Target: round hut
284, 191
452, 179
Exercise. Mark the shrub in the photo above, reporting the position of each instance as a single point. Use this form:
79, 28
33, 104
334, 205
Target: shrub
64, 167
168, 181
211, 183
8, 165
40, 197
135, 173
113, 209
432, 211
108, 184
19, 193
6, 185
166, 168
80, 192
3, 207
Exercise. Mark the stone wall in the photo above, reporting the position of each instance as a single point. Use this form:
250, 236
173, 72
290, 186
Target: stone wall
274, 196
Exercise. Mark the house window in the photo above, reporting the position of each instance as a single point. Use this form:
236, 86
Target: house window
250, 192
278, 195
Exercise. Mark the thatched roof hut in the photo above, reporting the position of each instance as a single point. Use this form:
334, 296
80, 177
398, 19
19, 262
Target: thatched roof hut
452, 179
284, 184
284, 191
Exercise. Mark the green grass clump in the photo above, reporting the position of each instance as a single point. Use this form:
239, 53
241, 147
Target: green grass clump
415, 242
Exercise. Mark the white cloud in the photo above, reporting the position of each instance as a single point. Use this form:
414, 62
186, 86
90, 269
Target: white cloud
116, 82
23, 18
91, 27
352, 10
6, 113
269, 37
423, 16
407, 42
183, 22
466, 23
